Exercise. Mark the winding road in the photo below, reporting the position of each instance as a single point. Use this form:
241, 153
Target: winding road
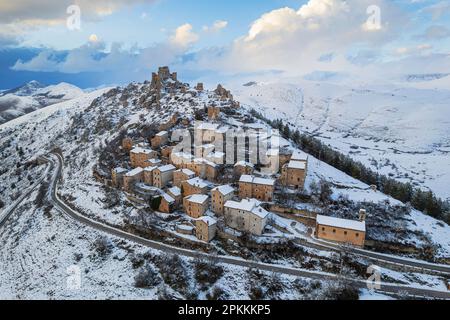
389, 288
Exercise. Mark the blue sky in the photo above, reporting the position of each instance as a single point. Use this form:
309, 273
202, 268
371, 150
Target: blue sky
121, 41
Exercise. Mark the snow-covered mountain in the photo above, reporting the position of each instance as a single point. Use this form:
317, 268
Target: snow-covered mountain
398, 130
32, 96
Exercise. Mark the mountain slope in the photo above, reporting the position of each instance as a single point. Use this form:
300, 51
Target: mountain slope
409, 126
32, 96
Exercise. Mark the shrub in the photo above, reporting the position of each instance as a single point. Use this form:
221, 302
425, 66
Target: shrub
146, 277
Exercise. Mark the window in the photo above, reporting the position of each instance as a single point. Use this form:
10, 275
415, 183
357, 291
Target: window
345, 232
334, 230
323, 229
357, 235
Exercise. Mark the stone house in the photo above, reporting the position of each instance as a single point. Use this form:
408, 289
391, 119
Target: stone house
258, 188
199, 86
182, 175
246, 215
166, 152
148, 175
163, 175
117, 176
175, 192
219, 196
130, 178
341, 230
213, 112
205, 228
160, 139
140, 157
293, 174
243, 168
194, 186
196, 205
127, 144
167, 204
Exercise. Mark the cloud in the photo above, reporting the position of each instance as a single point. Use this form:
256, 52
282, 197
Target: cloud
217, 26
294, 41
94, 56
184, 36
436, 32
50, 11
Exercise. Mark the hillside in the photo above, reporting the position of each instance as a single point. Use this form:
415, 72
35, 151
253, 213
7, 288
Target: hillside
398, 131
88, 130
32, 96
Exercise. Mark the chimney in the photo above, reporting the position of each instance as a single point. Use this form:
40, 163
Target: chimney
362, 215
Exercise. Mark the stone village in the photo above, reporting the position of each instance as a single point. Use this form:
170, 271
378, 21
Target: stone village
219, 183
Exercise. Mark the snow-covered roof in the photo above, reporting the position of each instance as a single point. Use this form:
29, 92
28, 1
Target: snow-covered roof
166, 168
198, 198
246, 178
134, 172
269, 182
273, 152
244, 204
120, 170
162, 133
210, 221
154, 161
341, 223
226, 189
197, 182
187, 172
256, 180
168, 198
244, 164
248, 205
299, 156
297, 165
150, 169
223, 129
175, 191
141, 150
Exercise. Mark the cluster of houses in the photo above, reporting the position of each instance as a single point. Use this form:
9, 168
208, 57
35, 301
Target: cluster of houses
169, 181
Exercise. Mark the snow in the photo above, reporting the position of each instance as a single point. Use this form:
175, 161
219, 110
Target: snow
198, 198
134, 172
139, 150
341, 223
167, 168
197, 182
210, 221
224, 190
297, 165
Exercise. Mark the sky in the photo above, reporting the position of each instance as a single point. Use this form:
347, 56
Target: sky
113, 42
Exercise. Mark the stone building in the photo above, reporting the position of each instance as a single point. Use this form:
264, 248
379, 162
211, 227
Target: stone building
293, 174
166, 152
258, 188
127, 144
203, 168
148, 175
163, 175
341, 230
194, 186
199, 86
130, 178
117, 177
219, 196
246, 215
175, 192
140, 157
205, 228
243, 168
160, 139
182, 175
196, 205
213, 112
167, 204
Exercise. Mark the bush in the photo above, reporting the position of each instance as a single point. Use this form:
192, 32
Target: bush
103, 246
146, 277
217, 293
207, 272
342, 291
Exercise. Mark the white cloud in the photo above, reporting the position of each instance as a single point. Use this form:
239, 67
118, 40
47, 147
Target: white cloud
184, 36
217, 26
